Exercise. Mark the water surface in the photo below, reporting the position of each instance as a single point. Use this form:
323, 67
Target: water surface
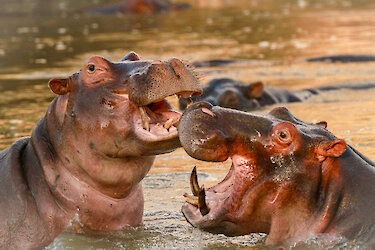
44, 39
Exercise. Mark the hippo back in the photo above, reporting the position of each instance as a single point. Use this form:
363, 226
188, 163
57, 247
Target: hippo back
17, 207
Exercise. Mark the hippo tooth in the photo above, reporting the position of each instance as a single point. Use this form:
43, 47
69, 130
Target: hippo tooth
144, 118
168, 123
194, 182
193, 200
203, 208
189, 102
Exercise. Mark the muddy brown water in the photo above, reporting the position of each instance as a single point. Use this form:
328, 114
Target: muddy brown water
40, 40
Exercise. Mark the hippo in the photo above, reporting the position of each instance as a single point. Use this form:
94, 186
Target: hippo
81, 169
229, 93
290, 179
343, 58
138, 7
227, 62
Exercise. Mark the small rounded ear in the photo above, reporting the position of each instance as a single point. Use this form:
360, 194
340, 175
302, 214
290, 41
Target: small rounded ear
322, 123
131, 56
255, 89
59, 86
336, 148
333, 149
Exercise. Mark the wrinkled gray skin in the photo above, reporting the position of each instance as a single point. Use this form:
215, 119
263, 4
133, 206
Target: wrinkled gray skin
290, 179
233, 94
81, 170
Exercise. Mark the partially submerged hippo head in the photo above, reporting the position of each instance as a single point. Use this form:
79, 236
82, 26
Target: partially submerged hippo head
290, 179
140, 7
229, 93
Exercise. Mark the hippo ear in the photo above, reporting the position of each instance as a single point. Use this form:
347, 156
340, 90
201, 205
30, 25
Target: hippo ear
59, 86
333, 149
131, 56
254, 90
322, 123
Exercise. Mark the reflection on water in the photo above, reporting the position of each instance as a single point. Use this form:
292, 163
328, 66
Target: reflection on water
44, 39
22, 103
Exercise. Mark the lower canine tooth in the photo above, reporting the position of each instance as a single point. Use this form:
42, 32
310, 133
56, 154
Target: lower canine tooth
193, 200
168, 123
202, 205
194, 182
144, 117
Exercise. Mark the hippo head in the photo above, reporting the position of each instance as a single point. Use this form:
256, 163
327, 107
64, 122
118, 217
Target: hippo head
276, 173
119, 108
227, 93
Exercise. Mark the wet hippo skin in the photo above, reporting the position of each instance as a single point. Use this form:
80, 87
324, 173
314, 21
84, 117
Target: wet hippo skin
229, 93
138, 7
81, 170
290, 179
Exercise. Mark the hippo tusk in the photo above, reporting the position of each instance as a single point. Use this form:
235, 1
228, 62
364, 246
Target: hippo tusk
193, 200
168, 123
189, 102
203, 208
144, 117
175, 123
194, 182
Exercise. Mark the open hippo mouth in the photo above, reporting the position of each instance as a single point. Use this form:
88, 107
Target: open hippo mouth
218, 194
148, 89
160, 118
214, 209
216, 134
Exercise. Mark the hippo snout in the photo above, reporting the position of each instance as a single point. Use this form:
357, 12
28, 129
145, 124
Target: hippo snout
160, 79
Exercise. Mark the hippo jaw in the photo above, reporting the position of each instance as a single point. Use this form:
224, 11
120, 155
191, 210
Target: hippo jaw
218, 208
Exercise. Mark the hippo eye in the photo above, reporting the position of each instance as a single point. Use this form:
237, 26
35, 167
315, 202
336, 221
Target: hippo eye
91, 68
283, 135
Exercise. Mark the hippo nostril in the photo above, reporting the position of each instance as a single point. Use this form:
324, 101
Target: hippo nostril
156, 62
175, 62
177, 66
207, 111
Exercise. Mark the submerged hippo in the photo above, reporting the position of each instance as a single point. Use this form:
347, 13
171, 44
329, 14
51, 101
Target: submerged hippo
138, 7
81, 170
290, 179
343, 58
229, 93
